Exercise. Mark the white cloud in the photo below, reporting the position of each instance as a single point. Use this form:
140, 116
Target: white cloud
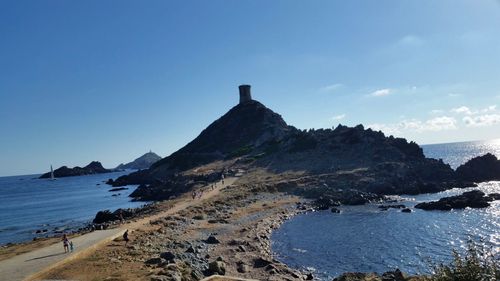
338, 117
411, 40
441, 123
453, 95
330, 88
461, 110
489, 108
467, 111
481, 120
380, 93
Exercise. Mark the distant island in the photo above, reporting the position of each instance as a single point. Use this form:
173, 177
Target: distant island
143, 162
94, 167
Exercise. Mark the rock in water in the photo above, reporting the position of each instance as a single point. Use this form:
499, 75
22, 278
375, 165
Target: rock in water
92, 168
479, 169
472, 199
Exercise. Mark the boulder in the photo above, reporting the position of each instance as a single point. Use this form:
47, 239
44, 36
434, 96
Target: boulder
261, 262
168, 256
217, 267
212, 240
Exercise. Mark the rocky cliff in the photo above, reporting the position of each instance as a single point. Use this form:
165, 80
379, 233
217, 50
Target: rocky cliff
143, 162
94, 167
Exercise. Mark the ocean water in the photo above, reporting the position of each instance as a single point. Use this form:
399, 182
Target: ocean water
28, 204
363, 238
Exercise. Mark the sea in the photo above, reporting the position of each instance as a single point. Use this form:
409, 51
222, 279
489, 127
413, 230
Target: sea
29, 204
365, 239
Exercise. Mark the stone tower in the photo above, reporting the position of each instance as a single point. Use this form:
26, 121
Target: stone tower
245, 95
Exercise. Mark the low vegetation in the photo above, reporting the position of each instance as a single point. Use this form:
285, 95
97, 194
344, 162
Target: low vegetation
476, 264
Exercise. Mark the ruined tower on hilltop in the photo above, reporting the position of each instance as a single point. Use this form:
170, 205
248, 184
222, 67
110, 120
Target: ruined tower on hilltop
245, 95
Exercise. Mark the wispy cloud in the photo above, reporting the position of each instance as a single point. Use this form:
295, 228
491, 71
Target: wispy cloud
481, 120
436, 111
330, 88
461, 110
380, 93
467, 111
338, 117
441, 123
411, 40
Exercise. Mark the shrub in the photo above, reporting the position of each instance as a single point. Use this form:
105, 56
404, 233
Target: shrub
475, 265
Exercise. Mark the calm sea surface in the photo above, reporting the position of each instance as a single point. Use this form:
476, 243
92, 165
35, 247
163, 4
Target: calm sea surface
363, 238
28, 204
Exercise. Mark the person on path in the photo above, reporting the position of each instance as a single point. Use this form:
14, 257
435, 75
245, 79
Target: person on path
65, 243
222, 178
125, 237
71, 246
121, 216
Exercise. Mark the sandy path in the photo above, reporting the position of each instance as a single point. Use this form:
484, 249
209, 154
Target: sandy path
29, 265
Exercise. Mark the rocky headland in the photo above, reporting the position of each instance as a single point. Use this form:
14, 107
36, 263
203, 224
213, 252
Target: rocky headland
143, 162
280, 171
94, 167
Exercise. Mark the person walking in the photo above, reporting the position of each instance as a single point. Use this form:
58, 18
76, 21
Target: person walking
65, 241
125, 237
222, 178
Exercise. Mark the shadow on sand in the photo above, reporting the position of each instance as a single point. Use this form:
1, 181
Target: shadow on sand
48, 256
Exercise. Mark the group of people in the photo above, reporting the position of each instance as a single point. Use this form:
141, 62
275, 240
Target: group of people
68, 245
197, 194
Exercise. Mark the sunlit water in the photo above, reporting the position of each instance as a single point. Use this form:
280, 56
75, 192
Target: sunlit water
363, 238
28, 204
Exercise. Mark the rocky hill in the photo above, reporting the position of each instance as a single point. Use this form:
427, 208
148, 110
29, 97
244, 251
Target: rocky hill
143, 162
251, 136
94, 167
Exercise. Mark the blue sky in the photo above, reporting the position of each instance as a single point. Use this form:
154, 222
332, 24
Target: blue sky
109, 80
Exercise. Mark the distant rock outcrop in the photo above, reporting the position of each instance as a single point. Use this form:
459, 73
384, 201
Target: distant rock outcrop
472, 199
479, 169
143, 162
94, 167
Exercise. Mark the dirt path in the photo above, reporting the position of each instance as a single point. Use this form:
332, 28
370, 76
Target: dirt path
29, 265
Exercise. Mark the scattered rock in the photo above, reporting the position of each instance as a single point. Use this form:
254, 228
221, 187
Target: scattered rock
261, 262
168, 256
335, 210
212, 240
406, 210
